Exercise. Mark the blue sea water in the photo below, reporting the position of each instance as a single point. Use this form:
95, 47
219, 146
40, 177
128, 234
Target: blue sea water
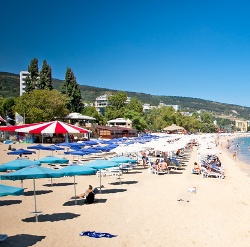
242, 147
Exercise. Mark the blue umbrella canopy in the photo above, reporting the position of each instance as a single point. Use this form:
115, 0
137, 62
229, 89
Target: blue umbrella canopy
54, 147
18, 164
91, 150
78, 152
6, 190
38, 147
101, 164
21, 151
32, 172
76, 170
123, 159
53, 160
73, 170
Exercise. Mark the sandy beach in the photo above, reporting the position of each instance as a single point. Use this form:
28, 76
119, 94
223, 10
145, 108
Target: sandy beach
144, 210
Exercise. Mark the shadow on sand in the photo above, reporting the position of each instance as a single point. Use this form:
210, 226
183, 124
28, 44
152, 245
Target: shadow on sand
9, 202
81, 202
52, 217
21, 240
112, 191
38, 192
124, 182
58, 184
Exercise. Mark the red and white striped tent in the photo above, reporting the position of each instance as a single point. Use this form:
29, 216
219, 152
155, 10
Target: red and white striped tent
54, 127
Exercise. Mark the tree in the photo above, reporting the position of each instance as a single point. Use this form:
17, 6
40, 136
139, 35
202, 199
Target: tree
73, 92
32, 78
41, 105
138, 121
91, 111
206, 118
135, 105
116, 105
45, 81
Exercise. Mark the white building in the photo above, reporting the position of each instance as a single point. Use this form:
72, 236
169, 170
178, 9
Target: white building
101, 103
121, 122
23, 75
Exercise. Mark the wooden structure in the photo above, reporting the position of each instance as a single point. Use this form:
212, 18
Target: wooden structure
107, 132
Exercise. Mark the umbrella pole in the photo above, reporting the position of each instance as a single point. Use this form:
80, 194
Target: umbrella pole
22, 183
34, 184
100, 181
75, 189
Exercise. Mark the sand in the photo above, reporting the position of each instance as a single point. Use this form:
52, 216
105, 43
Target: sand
144, 210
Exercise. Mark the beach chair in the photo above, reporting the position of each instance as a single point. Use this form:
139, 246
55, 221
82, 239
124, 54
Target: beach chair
206, 174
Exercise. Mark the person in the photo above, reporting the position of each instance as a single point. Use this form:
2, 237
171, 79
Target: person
196, 167
89, 195
144, 156
155, 165
234, 154
164, 166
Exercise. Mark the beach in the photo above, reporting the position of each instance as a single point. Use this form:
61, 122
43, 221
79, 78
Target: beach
143, 210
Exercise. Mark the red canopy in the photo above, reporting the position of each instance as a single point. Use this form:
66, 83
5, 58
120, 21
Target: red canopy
13, 128
54, 127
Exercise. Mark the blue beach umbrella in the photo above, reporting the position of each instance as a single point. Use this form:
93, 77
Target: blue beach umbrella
53, 160
32, 172
38, 147
77, 170
101, 164
122, 159
21, 151
6, 190
18, 164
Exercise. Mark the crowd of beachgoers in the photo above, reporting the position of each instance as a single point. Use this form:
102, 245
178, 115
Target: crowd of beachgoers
161, 190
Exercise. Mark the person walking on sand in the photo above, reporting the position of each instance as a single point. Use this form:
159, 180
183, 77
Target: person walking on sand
234, 154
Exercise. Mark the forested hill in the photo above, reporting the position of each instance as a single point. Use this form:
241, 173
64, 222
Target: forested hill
9, 87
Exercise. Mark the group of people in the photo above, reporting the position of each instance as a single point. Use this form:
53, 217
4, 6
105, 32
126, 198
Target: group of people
160, 165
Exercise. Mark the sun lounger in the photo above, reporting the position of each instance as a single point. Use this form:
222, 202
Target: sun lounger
206, 173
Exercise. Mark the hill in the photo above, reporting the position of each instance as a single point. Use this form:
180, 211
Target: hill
9, 87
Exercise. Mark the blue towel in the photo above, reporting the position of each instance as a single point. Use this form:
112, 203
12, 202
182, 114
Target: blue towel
97, 234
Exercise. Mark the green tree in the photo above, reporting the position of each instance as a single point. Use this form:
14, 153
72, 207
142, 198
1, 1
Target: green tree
92, 112
32, 78
45, 81
73, 92
116, 105
206, 118
41, 105
135, 105
138, 121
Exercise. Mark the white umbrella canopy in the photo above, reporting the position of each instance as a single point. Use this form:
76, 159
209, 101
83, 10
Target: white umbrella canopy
75, 115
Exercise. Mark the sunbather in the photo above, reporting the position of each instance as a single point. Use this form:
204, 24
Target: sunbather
196, 167
163, 166
155, 165
87, 192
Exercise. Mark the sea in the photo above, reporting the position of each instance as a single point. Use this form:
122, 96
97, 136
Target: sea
242, 147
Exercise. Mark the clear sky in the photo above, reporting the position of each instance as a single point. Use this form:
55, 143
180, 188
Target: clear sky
197, 49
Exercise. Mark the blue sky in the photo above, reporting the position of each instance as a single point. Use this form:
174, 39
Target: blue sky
197, 49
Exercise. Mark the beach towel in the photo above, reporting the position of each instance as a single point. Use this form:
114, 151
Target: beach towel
94, 234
